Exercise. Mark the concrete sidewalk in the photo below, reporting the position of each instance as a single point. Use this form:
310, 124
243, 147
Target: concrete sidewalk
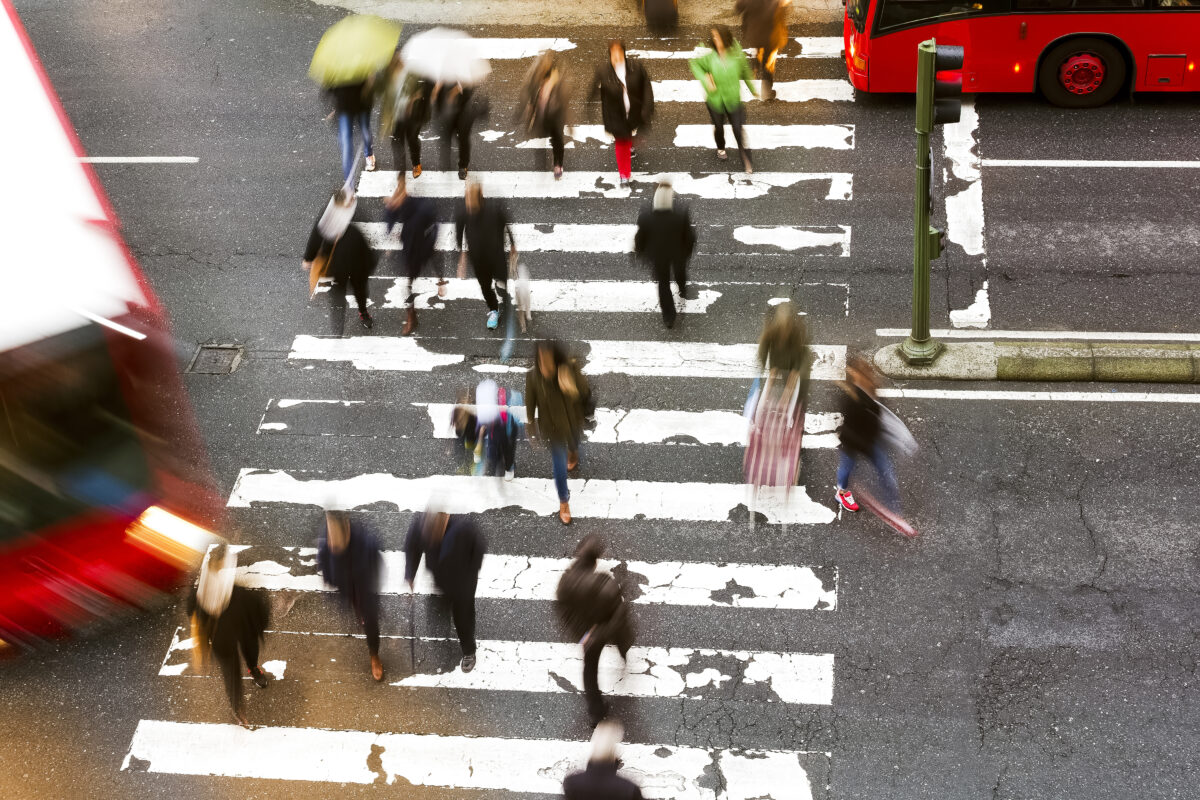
1052, 361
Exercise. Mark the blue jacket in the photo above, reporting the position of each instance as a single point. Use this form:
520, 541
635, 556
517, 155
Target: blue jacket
355, 572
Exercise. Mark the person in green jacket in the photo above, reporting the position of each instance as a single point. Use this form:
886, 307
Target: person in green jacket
721, 71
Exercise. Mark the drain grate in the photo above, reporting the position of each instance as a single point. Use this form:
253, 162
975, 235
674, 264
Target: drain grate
216, 359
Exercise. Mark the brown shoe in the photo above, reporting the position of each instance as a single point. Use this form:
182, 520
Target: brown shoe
416, 170
410, 322
572, 462
376, 668
564, 513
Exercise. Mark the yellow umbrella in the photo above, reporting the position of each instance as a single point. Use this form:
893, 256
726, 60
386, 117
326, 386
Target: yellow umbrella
354, 49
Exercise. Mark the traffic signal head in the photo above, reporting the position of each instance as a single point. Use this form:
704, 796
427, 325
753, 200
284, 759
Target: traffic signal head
947, 88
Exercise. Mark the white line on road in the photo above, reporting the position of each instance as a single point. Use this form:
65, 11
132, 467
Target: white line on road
964, 208
458, 762
791, 237
1018, 162
557, 668
773, 137
463, 494
499, 49
1036, 396
139, 159
522, 184
1099, 336
609, 297
801, 91
810, 47
511, 577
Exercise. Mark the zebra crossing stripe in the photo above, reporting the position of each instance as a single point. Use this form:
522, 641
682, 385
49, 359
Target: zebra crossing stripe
837, 90
573, 184
810, 47
608, 297
618, 238
644, 358
773, 137
501, 49
460, 762
557, 668
591, 498
514, 577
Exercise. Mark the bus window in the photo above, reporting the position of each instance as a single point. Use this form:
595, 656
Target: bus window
900, 13
857, 11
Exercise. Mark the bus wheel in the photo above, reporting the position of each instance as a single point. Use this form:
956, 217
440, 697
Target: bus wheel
1082, 73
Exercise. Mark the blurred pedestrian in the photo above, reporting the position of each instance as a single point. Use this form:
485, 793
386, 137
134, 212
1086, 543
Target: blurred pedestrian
862, 435
417, 217
764, 28
403, 111
783, 344
600, 781
338, 249
352, 106
543, 109
350, 561
626, 102
722, 71
453, 549
499, 427
666, 238
465, 423
227, 618
457, 108
557, 401
594, 612
484, 223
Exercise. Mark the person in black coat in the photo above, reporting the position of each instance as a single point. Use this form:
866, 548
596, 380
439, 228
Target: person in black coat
350, 561
484, 223
352, 105
666, 238
227, 618
350, 259
595, 614
458, 108
862, 426
453, 549
626, 102
417, 217
600, 780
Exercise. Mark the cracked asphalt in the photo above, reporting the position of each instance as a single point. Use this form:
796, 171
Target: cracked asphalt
1039, 639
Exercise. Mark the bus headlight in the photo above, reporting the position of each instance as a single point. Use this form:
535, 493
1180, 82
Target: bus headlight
170, 537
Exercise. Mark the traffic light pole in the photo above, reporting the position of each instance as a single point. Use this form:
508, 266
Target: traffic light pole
919, 348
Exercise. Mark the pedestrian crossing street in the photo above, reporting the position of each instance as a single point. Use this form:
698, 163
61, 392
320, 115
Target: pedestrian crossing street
660, 478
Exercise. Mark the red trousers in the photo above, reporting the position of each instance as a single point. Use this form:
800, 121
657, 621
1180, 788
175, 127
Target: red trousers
624, 148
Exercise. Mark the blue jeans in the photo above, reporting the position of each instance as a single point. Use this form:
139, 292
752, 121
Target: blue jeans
346, 139
883, 465
558, 462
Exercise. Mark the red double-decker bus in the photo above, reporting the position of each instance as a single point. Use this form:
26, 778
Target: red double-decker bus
105, 497
1077, 53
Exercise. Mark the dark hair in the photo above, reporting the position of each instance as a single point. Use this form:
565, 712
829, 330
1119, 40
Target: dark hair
589, 549
725, 34
617, 43
557, 351
341, 197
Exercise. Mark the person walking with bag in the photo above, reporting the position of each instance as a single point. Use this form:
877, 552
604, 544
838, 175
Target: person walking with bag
764, 28
557, 400
404, 110
600, 781
543, 110
626, 102
453, 549
352, 106
349, 559
485, 225
338, 249
666, 238
594, 613
417, 217
722, 71
458, 107
862, 435
226, 618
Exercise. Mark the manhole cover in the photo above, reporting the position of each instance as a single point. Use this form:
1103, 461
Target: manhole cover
216, 359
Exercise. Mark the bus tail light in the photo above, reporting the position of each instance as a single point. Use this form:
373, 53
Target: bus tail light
170, 537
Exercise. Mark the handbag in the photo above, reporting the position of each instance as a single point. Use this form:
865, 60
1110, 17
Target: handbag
894, 433
320, 266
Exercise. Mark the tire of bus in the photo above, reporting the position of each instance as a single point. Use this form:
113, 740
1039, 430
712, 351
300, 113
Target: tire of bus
1060, 56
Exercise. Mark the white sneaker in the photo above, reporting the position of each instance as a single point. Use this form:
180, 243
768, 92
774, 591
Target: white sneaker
510, 474
370, 164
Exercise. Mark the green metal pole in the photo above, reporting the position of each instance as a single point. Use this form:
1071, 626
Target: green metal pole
919, 348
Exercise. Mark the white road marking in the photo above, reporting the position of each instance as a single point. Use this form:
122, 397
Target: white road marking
773, 137
1069, 397
610, 297
464, 494
372, 352
1019, 162
801, 91
820, 46
791, 237
458, 762
810, 47
977, 315
544, 667
139, 159
521, 184
964, 208
512, 577
501, 49
1099, 336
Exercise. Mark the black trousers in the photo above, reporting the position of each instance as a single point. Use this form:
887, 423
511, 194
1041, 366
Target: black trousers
462, 611
489, 272
367, 609
501, 449
591, 669
231, 669
457, 128
663, 274
337, 299
402, 135
736, 118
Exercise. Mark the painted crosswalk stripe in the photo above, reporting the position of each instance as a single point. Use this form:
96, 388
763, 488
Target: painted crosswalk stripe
516, 577
618, 238
810, 47
608, 297
557, 667
525, 184
645, 358
501, 49
773, 137
591, 498
459, 762
802, 91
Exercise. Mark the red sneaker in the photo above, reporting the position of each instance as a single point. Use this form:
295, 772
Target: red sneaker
846, 500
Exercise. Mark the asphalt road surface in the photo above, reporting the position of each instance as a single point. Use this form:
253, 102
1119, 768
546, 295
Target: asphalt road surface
1037, 640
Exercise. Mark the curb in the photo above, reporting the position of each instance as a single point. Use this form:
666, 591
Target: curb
1051, 361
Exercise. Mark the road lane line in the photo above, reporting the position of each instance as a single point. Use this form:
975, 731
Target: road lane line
139, 159
1038, 396
1019, 162
837, 90
773, 137
1099, 336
